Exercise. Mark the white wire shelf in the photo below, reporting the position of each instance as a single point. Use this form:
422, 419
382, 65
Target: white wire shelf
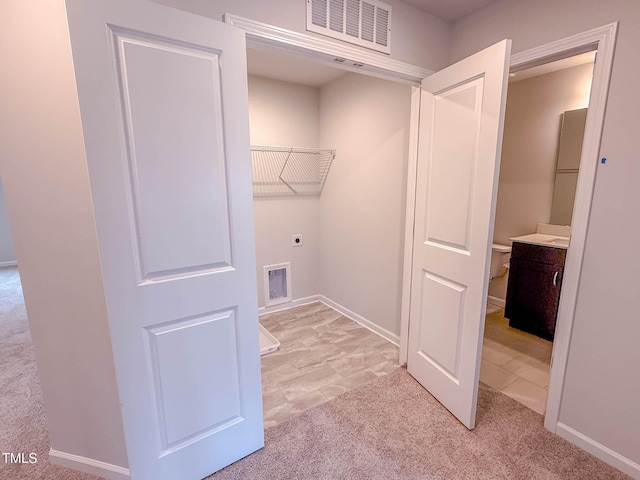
289, 171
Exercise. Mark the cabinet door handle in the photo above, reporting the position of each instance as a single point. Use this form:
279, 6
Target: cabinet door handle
555, 278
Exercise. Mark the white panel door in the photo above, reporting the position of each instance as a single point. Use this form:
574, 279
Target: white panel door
460, 137
164, 107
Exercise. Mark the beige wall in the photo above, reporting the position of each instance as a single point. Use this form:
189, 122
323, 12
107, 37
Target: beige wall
353, 232
599, 398
46, 184
416, 36
362, 205
286, 114
530, 150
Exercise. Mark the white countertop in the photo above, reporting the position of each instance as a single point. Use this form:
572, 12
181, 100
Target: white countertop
545, 240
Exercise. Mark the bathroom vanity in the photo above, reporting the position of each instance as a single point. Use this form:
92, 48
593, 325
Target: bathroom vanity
535, 279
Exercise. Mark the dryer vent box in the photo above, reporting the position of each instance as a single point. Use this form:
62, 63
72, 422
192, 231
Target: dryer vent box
277, 284
366, 23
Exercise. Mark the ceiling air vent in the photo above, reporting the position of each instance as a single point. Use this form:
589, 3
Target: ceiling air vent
366, 23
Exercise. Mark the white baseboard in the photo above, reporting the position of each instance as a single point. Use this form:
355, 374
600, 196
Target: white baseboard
383, 332
598, 450
88, 465
286, 306
498, 302
11, 263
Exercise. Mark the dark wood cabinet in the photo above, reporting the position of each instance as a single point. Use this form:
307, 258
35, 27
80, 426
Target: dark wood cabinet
533, 290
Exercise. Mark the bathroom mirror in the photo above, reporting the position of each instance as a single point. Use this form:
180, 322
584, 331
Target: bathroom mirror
568, 165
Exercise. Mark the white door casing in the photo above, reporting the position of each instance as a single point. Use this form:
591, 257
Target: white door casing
169, 165
460, 138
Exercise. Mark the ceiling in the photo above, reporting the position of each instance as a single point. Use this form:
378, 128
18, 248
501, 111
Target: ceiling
550, 67
278, 65
287, 67
451, 10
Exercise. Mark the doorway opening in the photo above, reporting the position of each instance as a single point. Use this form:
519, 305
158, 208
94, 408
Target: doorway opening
543, 135
342, 237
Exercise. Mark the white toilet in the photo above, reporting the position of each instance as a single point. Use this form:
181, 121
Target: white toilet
500, 255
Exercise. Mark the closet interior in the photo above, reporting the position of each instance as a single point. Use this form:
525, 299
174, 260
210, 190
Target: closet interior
329, 156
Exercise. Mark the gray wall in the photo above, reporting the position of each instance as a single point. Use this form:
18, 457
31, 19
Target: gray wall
601, 391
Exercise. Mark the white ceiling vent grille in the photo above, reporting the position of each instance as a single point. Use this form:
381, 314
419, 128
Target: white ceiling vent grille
362, 22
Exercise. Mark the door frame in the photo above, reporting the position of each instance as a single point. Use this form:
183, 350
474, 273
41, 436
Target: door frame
602, 40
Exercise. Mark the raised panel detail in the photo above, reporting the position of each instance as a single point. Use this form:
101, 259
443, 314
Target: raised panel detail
452, 165
442, 314
173, 123
195, 370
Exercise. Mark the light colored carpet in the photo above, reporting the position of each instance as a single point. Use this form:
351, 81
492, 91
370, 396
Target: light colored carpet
393, 429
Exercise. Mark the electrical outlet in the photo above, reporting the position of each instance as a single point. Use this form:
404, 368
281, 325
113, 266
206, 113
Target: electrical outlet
296, 240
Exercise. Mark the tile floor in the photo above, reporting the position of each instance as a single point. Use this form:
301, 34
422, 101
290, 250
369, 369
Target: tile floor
515, 362
322, 354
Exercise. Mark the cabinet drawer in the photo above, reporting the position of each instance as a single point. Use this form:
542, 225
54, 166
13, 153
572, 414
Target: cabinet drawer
539, 253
